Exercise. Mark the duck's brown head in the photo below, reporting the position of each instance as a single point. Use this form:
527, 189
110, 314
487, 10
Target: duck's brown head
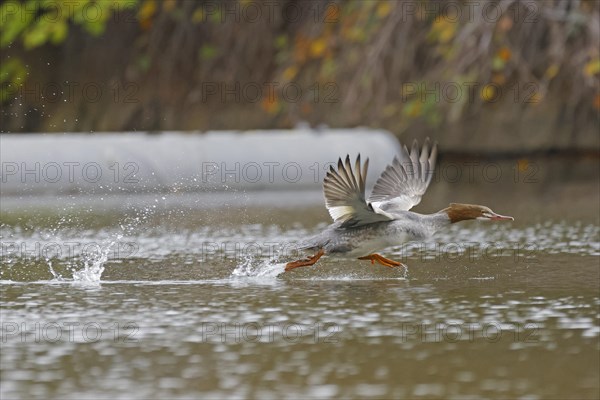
462, 212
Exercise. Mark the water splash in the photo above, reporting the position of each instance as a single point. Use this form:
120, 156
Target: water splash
56, 275
259, 268
93, 265
66, 251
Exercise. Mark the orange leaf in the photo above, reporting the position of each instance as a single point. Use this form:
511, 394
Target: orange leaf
504, 53
332, 13
300, 48
523, 164
270, 104
290, 73
499, 78
535, 99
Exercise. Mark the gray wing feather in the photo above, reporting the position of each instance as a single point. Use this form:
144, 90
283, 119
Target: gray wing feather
403, 183
344, 191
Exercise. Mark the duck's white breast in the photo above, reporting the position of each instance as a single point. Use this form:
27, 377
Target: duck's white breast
370, 246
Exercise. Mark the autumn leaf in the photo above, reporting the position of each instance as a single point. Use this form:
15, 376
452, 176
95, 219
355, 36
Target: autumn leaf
535, 99
290, 73
592, 67
332, 13
300, 48
198, 15
504, 53
499, 78
146, 13
147, 10
317, 48
413, 108
522, 164
354, 34
270, 104
383, 9
442, 30
551, 71
489, 93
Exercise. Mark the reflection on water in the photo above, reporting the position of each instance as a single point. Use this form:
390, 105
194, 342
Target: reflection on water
186, 309
371, 338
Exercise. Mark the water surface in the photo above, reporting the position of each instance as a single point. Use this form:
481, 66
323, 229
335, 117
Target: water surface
155, 300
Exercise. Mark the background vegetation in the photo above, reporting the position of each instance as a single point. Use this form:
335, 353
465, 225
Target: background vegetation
500, 75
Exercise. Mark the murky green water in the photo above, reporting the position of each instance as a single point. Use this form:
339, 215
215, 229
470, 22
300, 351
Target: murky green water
189, 301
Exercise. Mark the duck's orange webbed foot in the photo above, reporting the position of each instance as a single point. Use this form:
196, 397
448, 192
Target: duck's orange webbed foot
306, 262
382, 260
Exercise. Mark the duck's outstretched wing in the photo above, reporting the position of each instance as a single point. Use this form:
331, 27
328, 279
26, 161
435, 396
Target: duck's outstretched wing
345, 194
402, 183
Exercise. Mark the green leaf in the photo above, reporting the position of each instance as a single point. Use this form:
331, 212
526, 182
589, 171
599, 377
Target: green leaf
13, 21
95, 28
12, 73
281, 42
59, 32
144, 62
37, 35
207, 52
498, 64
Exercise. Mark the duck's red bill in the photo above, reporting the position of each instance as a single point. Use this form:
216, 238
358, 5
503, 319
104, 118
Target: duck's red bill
498, 217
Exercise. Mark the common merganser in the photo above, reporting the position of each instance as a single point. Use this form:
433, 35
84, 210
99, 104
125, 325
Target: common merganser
361, 228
